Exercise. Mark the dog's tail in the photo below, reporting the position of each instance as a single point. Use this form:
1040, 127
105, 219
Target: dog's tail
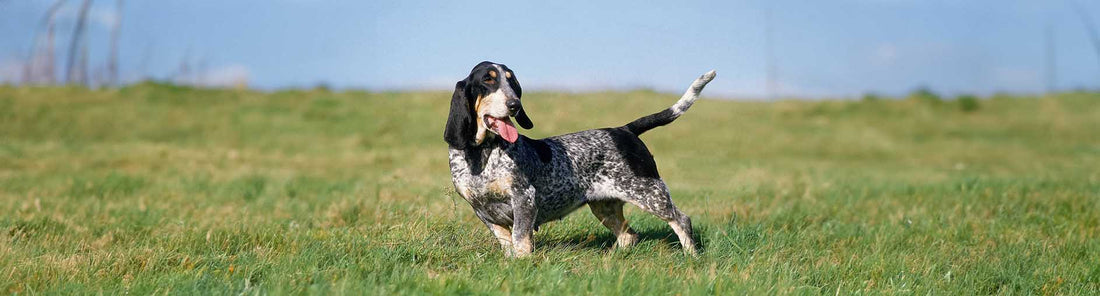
648, 122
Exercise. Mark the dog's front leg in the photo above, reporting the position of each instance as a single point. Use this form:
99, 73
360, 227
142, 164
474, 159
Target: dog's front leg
503, 235
524, 213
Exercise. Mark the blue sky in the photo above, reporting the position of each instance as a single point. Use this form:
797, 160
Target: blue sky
821, 49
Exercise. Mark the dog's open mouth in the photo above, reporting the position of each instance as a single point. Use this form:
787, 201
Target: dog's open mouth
502, 127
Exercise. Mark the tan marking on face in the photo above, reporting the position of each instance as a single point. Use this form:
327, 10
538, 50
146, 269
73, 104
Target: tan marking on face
508, 75
493, 74
477, 104
482, 130
492, 104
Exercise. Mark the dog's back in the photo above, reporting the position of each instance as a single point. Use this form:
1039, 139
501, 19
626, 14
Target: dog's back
592, 165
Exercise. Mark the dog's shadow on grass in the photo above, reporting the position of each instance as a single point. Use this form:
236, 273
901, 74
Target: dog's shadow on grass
605, 240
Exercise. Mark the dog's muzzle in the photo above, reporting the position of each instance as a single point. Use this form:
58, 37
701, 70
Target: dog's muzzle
513, 106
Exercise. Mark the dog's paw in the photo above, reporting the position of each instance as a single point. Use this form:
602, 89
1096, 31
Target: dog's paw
626, 240
521, 253
691, 250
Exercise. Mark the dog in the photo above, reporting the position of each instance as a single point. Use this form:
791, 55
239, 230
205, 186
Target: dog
515, 183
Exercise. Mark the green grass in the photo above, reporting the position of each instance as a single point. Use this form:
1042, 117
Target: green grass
156, 189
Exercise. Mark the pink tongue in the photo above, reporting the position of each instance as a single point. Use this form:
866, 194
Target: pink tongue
504, 128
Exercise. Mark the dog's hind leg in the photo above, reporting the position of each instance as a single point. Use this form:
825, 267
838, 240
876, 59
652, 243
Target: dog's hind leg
651, 195
610, 214
681, 224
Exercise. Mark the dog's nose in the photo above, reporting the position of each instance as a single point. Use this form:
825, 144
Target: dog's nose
513, 105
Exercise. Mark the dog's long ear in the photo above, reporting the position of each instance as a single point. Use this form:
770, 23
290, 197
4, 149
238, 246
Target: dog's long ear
523, 120
521, 116
460, 122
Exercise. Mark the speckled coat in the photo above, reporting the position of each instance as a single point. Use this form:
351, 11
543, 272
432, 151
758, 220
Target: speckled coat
552, 177
515, 187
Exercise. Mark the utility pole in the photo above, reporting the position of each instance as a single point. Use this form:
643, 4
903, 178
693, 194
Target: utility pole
49, 67
40, 65
112, 60
75, 43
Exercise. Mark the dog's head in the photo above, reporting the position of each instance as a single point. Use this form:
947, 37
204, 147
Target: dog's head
482, 105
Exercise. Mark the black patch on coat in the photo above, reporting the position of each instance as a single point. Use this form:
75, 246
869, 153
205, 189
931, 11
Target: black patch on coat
634, 152
541, 148
648, 122
477, 159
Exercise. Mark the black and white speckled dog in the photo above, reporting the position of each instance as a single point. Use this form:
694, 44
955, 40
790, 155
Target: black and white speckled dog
516, 183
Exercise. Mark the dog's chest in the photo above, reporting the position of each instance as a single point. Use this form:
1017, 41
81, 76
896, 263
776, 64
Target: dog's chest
485, 177
488, 179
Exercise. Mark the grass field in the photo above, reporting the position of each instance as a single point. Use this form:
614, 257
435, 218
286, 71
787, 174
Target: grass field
156, 189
